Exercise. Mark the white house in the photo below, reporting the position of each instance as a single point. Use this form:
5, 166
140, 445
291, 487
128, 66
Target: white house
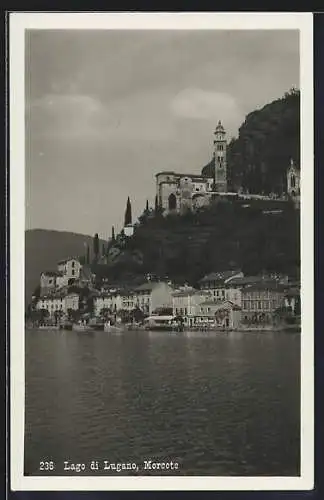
70, 268
186, 302
217, 283
52, 303
72, 301
223, 314
152, 295
107, 300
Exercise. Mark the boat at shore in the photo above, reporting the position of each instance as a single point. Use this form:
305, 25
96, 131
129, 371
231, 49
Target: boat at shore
49, 327
80, 327
162, 323
113, 328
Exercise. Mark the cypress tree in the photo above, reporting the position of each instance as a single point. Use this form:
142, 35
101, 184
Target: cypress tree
88, 255
147, 206
113, 233
103, 250
128, 212
96, 246
156, 207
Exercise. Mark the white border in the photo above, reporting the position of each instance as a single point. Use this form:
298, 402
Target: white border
18, 23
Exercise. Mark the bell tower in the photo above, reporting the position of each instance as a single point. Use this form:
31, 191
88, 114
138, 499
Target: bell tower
220, 171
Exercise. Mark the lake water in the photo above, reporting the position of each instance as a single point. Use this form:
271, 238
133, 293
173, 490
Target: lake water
215, 404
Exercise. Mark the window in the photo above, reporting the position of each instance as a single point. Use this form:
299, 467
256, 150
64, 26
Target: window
73, 272
220, 147
73, 263
259, 304
292, 181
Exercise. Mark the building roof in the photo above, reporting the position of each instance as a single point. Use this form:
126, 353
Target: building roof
220, 276
67, 260
292, 292
265, 285
180, 175
293, 165
209, 169
189, 292
149, 286
52, 273
246, 280
221, 304
166, 172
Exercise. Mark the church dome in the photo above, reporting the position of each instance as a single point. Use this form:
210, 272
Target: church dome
208, 170
219, 128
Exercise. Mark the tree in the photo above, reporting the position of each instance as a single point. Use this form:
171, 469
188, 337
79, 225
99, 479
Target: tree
103, 250
128, 212
156, 205
96, 247
36, 292
113, 234
137, 315
87, 260
147, 206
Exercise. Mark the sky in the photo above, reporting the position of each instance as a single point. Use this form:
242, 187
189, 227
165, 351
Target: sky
106, 110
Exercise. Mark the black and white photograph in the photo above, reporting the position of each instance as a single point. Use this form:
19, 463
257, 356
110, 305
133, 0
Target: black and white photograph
161, 251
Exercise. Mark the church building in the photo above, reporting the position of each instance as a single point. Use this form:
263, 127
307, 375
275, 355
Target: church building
177, 193
293, 181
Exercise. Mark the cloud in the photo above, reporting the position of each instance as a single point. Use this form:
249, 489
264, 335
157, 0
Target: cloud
65, 115
201, 104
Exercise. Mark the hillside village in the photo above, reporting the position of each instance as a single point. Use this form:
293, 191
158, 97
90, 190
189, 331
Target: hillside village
226, 300
193, 256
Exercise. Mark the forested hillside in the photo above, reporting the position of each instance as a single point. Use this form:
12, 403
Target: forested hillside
267, 140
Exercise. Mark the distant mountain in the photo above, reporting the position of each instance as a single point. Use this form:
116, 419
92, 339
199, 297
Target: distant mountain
44, 248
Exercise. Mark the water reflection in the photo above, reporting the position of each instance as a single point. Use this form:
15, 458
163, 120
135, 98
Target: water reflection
221, 404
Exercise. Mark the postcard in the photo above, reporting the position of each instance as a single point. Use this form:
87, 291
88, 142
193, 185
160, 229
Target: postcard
161, 251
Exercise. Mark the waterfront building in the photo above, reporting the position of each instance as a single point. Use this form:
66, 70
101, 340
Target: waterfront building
261, 300
52, 303
234, 287
186, 302
221, 314
127, 300
152, 295
72, 301
111, 301
217, 284
292, 300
